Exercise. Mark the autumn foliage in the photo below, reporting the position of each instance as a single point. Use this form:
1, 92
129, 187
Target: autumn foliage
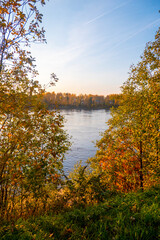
128, 153
33, 141
82, 101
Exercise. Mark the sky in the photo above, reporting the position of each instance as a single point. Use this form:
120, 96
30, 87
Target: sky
91, 44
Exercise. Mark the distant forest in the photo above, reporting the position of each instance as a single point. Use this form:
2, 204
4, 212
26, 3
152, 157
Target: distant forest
82, 101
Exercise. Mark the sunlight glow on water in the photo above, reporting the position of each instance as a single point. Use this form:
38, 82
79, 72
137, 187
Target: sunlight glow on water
85, 127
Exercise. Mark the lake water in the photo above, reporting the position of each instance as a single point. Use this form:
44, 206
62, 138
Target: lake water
85, 128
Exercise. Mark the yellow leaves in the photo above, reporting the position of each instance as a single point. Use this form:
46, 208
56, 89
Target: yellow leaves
69, 230
9, 135
14, 182
50, 235
42, 2
31, 5
3, 10
30, 154
134, 208
46, 154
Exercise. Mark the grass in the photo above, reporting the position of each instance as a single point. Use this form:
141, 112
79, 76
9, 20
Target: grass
132, 216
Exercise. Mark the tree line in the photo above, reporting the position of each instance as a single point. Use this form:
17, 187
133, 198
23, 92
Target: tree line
82, 101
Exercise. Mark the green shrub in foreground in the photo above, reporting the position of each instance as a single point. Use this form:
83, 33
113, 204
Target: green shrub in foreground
134, 216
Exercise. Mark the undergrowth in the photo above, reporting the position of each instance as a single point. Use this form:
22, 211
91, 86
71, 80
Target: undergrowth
132, 216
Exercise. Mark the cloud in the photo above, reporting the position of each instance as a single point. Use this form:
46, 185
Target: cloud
107, 12
136, 33
79, 40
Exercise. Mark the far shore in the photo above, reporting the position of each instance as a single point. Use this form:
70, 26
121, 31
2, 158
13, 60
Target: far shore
79, 107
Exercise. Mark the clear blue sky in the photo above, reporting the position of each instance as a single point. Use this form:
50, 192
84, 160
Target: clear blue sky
92, 43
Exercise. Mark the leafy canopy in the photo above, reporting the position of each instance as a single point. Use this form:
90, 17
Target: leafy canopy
33, 141
128, 153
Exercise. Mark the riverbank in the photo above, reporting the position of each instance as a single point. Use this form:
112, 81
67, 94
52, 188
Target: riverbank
121, 216
62, 107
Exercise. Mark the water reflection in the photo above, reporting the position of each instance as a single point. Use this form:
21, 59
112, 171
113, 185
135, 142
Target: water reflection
85, 128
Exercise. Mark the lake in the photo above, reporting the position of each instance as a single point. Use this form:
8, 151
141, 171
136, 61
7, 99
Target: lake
85, 127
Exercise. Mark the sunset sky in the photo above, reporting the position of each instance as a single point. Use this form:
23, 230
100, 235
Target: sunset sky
92, 43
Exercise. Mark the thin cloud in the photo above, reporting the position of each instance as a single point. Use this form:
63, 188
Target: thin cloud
109, 47
107, 12
136, 33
